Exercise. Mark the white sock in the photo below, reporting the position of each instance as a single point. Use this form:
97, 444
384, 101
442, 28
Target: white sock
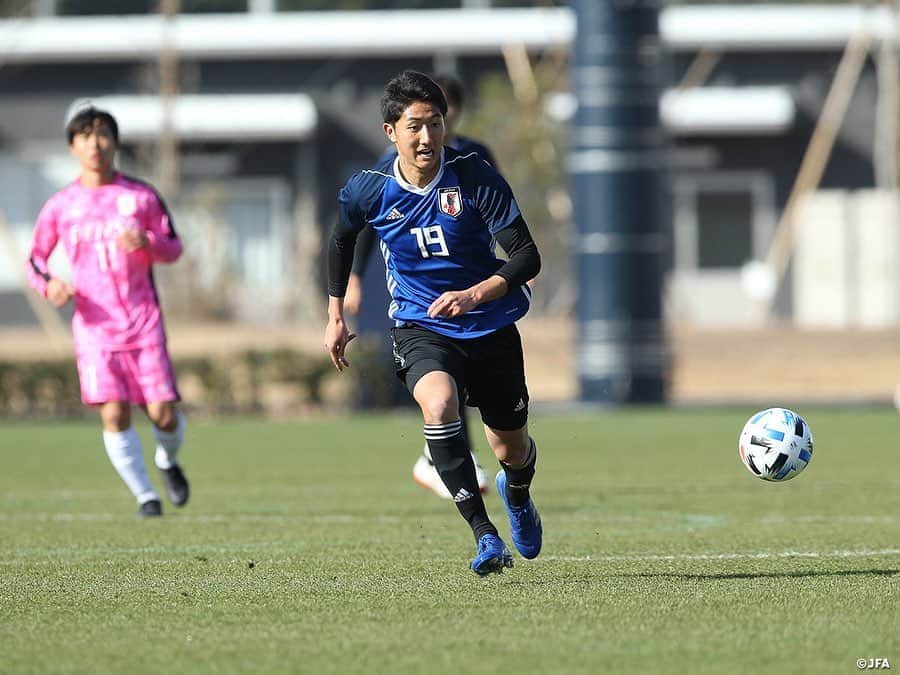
168, 443
127, 456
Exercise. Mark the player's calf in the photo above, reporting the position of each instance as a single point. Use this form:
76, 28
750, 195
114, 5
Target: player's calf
426, 475
513, 486
168, 443
127, 457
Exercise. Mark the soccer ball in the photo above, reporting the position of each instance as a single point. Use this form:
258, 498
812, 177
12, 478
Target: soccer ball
776, 444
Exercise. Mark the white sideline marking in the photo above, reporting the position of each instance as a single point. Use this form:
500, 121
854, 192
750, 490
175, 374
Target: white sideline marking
215, 518
830, 519
697, 519
763, 555
212, 550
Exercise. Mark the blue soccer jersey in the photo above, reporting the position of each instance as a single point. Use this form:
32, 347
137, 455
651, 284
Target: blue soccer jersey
438, 238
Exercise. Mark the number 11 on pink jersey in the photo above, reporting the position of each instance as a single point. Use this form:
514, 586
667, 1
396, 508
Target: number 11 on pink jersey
107, 254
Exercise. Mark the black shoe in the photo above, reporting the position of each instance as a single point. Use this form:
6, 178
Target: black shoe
150, 509
176, 485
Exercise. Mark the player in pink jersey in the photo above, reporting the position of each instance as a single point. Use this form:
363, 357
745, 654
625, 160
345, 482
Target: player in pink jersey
113, 229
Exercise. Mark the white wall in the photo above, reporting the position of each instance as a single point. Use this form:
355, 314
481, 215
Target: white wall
846, 270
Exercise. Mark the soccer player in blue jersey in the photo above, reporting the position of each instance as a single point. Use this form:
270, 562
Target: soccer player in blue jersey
454, 303
424, 471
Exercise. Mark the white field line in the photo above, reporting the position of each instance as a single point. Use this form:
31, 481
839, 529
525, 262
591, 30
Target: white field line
637, 557
258, 547
882, 518
214, 518
351, 518
761, 555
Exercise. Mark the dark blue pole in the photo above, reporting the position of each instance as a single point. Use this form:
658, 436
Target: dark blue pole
615, 164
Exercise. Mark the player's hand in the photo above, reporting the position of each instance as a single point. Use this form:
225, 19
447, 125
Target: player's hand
59, 292
337, 337
452, 304
132, 240
353, 295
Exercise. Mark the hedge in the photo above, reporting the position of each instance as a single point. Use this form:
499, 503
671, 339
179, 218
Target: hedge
275, 382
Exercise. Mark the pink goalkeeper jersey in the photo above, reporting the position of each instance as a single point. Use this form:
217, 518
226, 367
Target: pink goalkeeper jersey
116, 305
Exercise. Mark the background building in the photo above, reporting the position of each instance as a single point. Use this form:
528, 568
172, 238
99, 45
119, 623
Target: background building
250, 115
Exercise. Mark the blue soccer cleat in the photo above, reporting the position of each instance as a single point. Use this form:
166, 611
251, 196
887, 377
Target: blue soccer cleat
492, 556
524, 522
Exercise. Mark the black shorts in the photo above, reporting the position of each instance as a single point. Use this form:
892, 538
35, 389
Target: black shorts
489, 369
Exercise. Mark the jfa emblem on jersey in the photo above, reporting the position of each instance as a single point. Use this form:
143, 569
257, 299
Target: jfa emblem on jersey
126, 204
450, 201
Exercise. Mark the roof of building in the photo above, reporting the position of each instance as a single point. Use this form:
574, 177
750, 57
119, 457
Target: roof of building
467, 31
205, 117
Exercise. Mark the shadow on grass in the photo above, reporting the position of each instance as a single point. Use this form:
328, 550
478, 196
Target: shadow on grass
764, 575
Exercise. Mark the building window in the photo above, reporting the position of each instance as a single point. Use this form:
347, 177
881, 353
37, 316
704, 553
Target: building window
724, 229
722, 219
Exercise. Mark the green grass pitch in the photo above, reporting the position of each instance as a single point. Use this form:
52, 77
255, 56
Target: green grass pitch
307, 548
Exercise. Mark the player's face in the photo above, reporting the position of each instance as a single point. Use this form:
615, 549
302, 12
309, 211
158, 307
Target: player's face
418, 135
94, 147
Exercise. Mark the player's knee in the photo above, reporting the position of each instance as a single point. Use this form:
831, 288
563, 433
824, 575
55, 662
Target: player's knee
163, 417
439, 409
436, 394
115, 416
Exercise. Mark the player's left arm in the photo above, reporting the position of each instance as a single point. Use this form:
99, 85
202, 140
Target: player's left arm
158, 235
523, 265
495, 202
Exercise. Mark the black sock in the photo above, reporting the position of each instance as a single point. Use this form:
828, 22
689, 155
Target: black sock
518, 481
453, 462
464, 430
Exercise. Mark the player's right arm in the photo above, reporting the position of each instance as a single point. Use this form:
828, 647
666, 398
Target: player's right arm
43, 241
340, 259
341, 246
365, 244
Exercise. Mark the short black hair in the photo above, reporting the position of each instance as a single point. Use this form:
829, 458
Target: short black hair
407, 88
84, 120
453, 89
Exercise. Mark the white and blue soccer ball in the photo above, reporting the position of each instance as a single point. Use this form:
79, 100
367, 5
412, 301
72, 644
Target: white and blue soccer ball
776, 444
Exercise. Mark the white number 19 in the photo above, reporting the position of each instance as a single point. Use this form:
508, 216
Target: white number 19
430, 236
